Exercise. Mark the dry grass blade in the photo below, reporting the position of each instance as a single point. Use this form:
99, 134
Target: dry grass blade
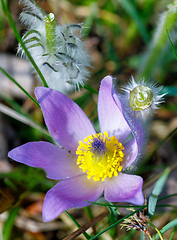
10, 112
87, 226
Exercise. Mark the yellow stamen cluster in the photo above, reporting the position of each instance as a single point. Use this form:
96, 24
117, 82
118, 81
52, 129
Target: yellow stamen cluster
100, 156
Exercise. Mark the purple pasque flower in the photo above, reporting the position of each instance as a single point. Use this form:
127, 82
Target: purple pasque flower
88, 163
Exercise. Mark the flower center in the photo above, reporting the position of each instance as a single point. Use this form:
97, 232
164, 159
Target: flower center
100, 156
141, 97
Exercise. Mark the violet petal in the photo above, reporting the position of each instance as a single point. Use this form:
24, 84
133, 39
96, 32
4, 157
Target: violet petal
70, 193
136, 125
124, 188
66, 121
130, 153
110, 116
56, 162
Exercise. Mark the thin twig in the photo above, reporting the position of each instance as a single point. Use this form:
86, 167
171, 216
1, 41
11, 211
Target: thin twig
87, 226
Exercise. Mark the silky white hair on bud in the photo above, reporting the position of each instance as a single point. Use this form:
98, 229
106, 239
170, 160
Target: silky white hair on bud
58, 50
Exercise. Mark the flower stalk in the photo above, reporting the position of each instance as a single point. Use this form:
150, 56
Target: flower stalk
50, 28
25, 49
18, 85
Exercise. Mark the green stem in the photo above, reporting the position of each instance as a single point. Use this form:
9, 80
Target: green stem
18, 37
18, 85
90, 89
155, 229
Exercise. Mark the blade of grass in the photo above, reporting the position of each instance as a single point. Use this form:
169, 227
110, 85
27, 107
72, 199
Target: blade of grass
18, 37
112, 205
12, 103
158, 232
19, 109
172, 235
152, 205
117, 222
9, 224
10, 112
171, 195
87, 226
112, 218
79, 231
171, 43
142, 236
161, 182
18, 85
166, 205
171, 224
90, 89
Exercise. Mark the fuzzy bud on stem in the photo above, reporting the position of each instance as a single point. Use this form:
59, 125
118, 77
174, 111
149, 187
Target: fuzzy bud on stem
139, 100
141, 97
58, 50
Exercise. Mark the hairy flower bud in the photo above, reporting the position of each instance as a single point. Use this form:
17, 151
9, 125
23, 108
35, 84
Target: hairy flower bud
58, 50
141, 98
138, 100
